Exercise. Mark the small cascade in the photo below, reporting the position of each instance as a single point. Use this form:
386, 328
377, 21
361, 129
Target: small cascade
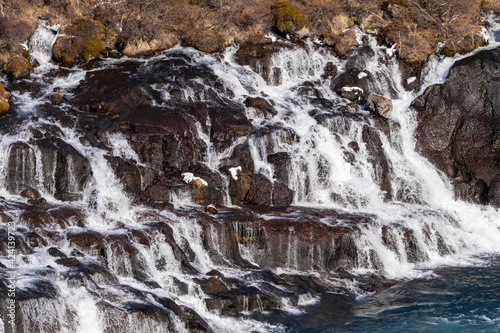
123, 242
40, 46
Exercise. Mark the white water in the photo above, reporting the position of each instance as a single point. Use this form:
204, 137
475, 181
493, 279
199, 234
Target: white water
320, 176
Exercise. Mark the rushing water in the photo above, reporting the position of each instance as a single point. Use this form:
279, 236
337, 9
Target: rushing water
445, 287
447, 299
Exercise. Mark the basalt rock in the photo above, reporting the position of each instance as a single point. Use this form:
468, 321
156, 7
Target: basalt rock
261, 105
379, 161
458, 126
31, 194
65, 170
282, 195
282, 166
21, 168
258, 57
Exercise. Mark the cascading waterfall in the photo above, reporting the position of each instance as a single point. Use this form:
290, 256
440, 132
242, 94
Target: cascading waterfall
416, 222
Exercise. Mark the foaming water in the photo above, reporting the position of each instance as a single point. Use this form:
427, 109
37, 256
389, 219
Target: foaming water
450, 299
417, 227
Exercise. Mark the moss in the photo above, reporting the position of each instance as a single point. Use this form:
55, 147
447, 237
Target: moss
87, 41
4, 100
17, 67
287, 17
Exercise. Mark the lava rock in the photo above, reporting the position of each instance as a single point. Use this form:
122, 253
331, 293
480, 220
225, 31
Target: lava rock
459, 125
352, 93
31, 194
57, 98
282, 195
262, 106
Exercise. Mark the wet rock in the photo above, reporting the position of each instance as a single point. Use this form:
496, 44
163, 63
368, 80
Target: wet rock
55, 252
458, 124
213, 193
378, 159
282, 195
21, 167
261, 105
329, 71
18, 67
57, 98
68, 262
379, 105
228, 124
212, 286
258, 57
239, 189
4, 100
66, 172
261, 192
193, 320
352, 93
282, 166
309, 89
241, 156
128, 173
494, 191
31, 194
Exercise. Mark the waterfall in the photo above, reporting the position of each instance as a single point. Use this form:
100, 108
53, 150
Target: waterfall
40, 45
364, 200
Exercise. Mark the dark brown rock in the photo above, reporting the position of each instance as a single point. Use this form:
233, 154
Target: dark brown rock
261, 105
31, 194
458, 125
282, 195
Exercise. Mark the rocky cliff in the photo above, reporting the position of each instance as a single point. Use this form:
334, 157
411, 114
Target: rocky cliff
459, 127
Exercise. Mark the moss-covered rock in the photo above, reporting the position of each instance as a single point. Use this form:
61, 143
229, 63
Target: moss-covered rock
80, 42
17, 67
4, 100
288, 19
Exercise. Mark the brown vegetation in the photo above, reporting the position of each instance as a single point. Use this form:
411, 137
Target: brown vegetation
140, 26
4, 100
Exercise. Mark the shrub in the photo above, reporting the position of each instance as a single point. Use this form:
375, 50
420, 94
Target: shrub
81, 42
287, 17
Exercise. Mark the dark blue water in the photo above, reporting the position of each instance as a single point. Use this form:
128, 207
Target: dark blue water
458, 299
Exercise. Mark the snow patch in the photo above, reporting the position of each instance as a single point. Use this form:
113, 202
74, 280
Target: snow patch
352, 89
188, 177
234, 172
362, 75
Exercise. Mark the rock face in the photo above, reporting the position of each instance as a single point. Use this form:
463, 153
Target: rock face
459, 127
379, 105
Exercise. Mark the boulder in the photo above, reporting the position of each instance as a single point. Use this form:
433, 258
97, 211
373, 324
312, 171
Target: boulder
282, 195
261, 105
352, 93
329, 71
57, 98
21, 168
4, 100
379, 105
17, 67
282, 166
31, 194
79, 42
